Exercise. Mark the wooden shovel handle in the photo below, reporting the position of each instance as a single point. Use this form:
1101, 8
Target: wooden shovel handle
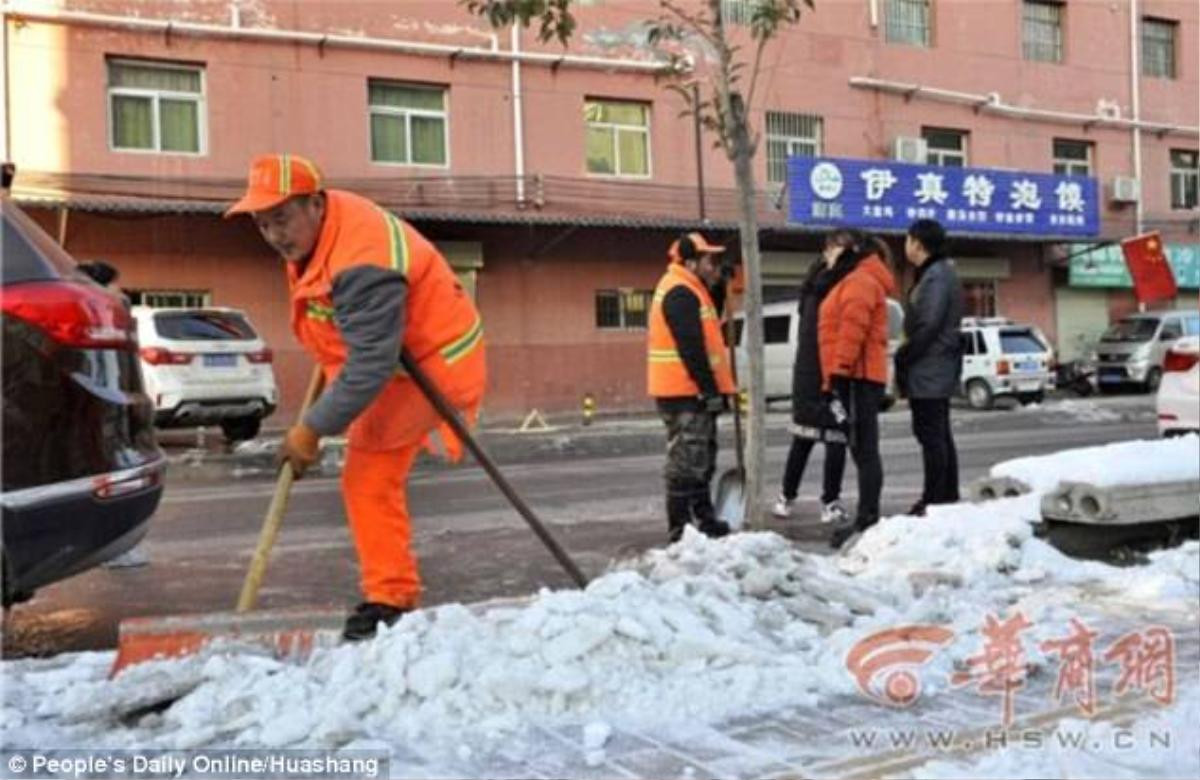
275, 512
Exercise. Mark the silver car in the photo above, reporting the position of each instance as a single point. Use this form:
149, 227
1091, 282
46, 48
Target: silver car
1131, 352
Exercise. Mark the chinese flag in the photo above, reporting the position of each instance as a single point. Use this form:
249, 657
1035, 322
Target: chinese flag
1153, 279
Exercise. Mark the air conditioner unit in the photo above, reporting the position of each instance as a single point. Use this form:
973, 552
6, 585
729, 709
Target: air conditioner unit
1126, 189
1109, 109
910, 150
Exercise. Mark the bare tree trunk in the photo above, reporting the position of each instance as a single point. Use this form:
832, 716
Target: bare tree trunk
756, 428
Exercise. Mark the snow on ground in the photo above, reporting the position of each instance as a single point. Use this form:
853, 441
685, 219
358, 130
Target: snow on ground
687, 637
1124, 463
1082, 411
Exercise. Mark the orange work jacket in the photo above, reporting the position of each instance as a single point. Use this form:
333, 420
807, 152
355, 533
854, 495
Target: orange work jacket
667, 374
441, 323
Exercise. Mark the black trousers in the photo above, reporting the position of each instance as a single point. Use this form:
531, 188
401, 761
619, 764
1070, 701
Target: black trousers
931, 426
863, 407
835, 467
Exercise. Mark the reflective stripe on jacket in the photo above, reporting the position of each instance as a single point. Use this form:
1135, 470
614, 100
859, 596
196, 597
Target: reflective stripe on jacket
667, 375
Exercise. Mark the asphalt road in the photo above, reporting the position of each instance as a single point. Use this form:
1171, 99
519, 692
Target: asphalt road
471, 544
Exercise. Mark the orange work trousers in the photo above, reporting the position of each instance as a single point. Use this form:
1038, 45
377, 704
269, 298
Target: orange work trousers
375, 475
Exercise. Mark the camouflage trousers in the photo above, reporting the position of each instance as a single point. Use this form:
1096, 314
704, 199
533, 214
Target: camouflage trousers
691, 463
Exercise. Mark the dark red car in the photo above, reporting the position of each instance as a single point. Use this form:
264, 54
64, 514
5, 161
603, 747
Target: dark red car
82, 471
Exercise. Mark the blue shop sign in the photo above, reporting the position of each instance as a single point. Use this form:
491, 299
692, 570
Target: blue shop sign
882, 194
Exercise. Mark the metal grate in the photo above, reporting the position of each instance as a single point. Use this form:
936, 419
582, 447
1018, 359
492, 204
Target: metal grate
907, 21
790, 135
623, 309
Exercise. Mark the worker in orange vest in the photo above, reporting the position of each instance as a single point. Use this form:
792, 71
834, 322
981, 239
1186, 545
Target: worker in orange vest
689, 378
363, 286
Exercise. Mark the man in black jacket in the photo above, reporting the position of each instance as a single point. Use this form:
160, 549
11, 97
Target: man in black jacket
929, 363
689, 378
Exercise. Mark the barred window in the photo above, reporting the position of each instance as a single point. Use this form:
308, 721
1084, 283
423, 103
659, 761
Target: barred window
155, 107
737, 11
618, 137
907, 21
623, 309
1042, 25
408, 123
1072, 158
945, 147
1185, 178
790, 135
1158, 47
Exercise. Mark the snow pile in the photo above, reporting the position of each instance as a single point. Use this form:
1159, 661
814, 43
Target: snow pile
1125, 463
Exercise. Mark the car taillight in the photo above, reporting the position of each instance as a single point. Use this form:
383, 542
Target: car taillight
1002, 367
1179, 361
262, 356
74, 315
157, 356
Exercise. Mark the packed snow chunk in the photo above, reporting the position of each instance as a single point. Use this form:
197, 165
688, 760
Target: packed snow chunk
585, 635
429, 676
596, 735
1123, 463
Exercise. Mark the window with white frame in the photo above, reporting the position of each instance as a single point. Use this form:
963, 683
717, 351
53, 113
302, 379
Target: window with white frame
623, 309
1072, 158
155, 107
907, 21
408, 123
945, 147
1042, 30
618, 137
1185, 178
737, 11
790, 135
1158, 47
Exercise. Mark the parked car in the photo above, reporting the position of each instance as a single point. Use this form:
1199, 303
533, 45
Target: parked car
781, 329
1002, 358
82, 473
1178, 400
206, 367
1131, 352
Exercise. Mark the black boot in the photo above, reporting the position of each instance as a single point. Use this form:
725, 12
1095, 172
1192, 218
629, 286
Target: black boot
679, 514
843, 533
364, 621
706, 516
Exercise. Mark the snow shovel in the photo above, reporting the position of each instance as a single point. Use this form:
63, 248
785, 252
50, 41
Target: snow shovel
286, 631
730, 502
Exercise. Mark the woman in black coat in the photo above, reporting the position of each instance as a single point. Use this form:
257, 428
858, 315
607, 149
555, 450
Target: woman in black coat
811, 418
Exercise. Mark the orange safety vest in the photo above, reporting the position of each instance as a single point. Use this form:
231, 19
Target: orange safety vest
667, 375
441, 322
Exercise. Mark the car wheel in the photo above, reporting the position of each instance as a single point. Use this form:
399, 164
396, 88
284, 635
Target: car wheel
1153, 379
1025, 399
241, 428
979, 394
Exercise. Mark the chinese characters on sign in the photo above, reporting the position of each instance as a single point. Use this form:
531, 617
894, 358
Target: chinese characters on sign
885, 194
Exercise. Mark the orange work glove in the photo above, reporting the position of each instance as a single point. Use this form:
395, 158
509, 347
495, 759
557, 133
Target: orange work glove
301, 448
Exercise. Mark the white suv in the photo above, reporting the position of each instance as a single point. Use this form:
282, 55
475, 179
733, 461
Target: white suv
204, 367
1002, 358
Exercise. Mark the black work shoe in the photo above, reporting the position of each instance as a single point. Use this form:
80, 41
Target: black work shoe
917, 509
364, 621
715, 529
843, 533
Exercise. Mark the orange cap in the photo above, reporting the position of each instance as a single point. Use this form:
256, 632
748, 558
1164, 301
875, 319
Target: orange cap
699, 244
273, 179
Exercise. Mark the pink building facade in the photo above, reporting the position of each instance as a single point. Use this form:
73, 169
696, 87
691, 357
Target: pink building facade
554, 178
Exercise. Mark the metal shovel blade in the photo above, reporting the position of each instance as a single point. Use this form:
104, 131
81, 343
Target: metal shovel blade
730, 502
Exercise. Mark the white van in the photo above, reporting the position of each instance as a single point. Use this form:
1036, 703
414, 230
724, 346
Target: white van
781, 329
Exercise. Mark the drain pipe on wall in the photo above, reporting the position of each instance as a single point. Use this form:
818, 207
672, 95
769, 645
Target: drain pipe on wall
5, 149
1136, 109
518, 119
